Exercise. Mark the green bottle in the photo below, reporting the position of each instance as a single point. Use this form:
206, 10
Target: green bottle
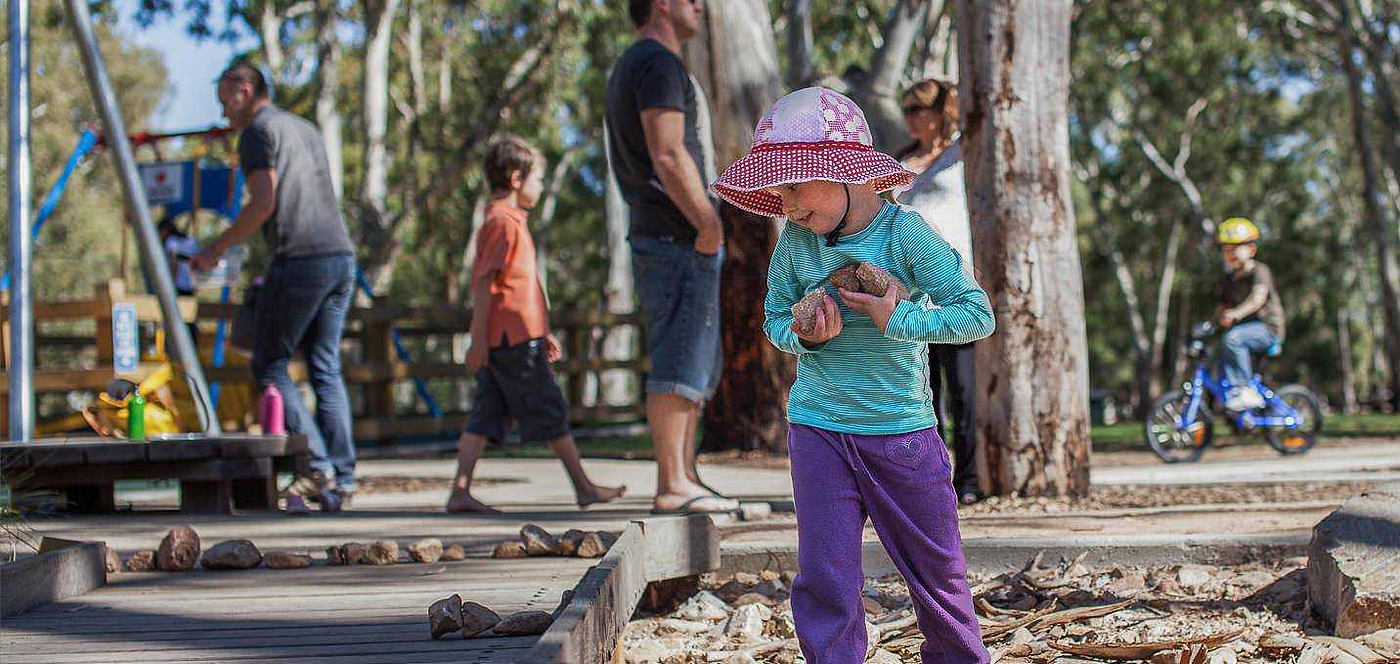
136, 417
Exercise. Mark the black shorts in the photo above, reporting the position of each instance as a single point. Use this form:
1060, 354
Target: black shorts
518, 383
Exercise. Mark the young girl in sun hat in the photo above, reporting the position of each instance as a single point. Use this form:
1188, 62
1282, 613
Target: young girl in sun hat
863, 439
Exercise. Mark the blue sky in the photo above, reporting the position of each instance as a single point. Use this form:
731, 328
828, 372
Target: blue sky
192, 66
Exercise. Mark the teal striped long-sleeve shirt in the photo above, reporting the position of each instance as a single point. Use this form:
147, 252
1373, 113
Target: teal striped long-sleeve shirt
864, 381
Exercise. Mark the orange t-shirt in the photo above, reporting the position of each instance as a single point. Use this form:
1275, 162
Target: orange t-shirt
505, 254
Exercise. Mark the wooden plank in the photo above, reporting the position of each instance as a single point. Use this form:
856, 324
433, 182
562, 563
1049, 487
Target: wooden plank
14, 456
252, 650
244, 447
47, 577
586, 632
208, 470
43, 455
680, 546
307, 635
181, 450
114, 452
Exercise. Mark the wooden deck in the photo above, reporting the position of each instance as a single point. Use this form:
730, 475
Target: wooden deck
354, 614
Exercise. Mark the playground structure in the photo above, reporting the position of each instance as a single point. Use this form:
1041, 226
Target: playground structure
376, 333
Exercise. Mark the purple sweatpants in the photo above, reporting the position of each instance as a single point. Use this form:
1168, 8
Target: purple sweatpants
904, 484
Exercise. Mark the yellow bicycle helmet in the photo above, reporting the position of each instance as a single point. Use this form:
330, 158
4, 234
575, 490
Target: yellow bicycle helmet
1236, 230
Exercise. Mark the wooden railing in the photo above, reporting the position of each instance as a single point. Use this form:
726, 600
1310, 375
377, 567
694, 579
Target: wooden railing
371, 366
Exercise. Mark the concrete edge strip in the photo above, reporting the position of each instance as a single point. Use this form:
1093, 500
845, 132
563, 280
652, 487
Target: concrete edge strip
588, 629
994, 555
52, 576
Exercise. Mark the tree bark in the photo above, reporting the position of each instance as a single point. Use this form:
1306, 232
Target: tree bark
802, 69
379, 236
1032, 383
617, 387
877, 97
1382, 229
736, 61
327, 84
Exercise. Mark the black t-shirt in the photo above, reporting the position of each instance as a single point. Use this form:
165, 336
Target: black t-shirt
650, 76
1235, 289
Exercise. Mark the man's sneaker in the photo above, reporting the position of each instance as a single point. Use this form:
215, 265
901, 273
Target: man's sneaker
1243, 398
338, 500
315, 488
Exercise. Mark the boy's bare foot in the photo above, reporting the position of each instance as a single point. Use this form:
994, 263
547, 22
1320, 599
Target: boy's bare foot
601, 494
459, 503
675, 503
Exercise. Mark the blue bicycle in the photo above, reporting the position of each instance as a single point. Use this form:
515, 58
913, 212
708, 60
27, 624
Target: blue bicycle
1179, 427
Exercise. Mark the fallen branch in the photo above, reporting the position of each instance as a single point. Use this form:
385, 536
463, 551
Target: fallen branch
1143, 650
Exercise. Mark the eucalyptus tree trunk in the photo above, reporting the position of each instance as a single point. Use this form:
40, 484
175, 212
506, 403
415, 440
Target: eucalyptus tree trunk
735, 60
618, 387
376, 227
1032, 382
327, 84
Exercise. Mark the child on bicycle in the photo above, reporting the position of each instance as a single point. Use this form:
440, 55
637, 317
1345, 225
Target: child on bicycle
1249, 310
863, 438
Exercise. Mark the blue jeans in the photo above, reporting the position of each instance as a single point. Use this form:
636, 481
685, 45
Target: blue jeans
1235, 347
678, 289
302, 306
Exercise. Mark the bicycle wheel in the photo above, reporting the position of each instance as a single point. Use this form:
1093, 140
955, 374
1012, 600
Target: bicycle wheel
1289, 441
1171, 443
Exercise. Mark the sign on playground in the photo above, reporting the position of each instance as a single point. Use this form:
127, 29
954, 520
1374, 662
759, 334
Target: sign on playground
125, 353
164, 183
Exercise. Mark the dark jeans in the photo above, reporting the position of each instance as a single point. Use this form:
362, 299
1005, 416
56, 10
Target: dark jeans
302, 307
955, 363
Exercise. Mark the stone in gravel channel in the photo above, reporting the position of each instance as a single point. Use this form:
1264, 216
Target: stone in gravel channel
453, 552
114, 561
179, 551
354, 553
286, 560
232, 554
509, 549
538, 541
141, 561
569, 541
524, 623
445, 616
477, 619
383, 552
427, 550
592, 546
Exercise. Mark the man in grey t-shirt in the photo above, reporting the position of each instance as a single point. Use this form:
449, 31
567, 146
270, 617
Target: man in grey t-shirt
308, 286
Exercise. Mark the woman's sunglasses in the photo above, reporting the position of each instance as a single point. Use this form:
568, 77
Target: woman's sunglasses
914, 108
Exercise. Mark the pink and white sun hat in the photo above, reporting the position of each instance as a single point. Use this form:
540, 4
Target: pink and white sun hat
810, 134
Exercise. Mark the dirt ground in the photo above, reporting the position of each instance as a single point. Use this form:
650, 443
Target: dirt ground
1049, 612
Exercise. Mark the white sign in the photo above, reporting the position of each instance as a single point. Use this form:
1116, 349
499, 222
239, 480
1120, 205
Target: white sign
125, 354
164, 183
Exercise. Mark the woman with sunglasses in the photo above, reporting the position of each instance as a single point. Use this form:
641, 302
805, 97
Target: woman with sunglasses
931, 113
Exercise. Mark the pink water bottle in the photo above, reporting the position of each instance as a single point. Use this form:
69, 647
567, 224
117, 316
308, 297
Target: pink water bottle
272, 415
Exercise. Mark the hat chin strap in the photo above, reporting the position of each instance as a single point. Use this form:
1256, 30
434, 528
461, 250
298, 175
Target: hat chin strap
836, 232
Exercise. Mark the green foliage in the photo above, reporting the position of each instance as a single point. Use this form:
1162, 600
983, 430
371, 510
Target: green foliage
80, 245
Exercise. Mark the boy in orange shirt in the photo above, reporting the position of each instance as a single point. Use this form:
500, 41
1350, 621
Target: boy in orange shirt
511, 346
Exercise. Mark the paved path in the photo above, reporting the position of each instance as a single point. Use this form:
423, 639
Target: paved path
1376, 462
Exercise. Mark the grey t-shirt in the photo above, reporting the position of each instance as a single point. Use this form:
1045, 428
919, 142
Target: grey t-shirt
306, 219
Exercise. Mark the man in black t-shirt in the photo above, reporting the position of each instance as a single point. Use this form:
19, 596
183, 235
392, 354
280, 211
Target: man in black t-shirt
654, 125
307, 290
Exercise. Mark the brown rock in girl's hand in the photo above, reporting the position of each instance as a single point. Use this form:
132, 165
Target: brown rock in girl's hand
876, 281
846, 278
805, 311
